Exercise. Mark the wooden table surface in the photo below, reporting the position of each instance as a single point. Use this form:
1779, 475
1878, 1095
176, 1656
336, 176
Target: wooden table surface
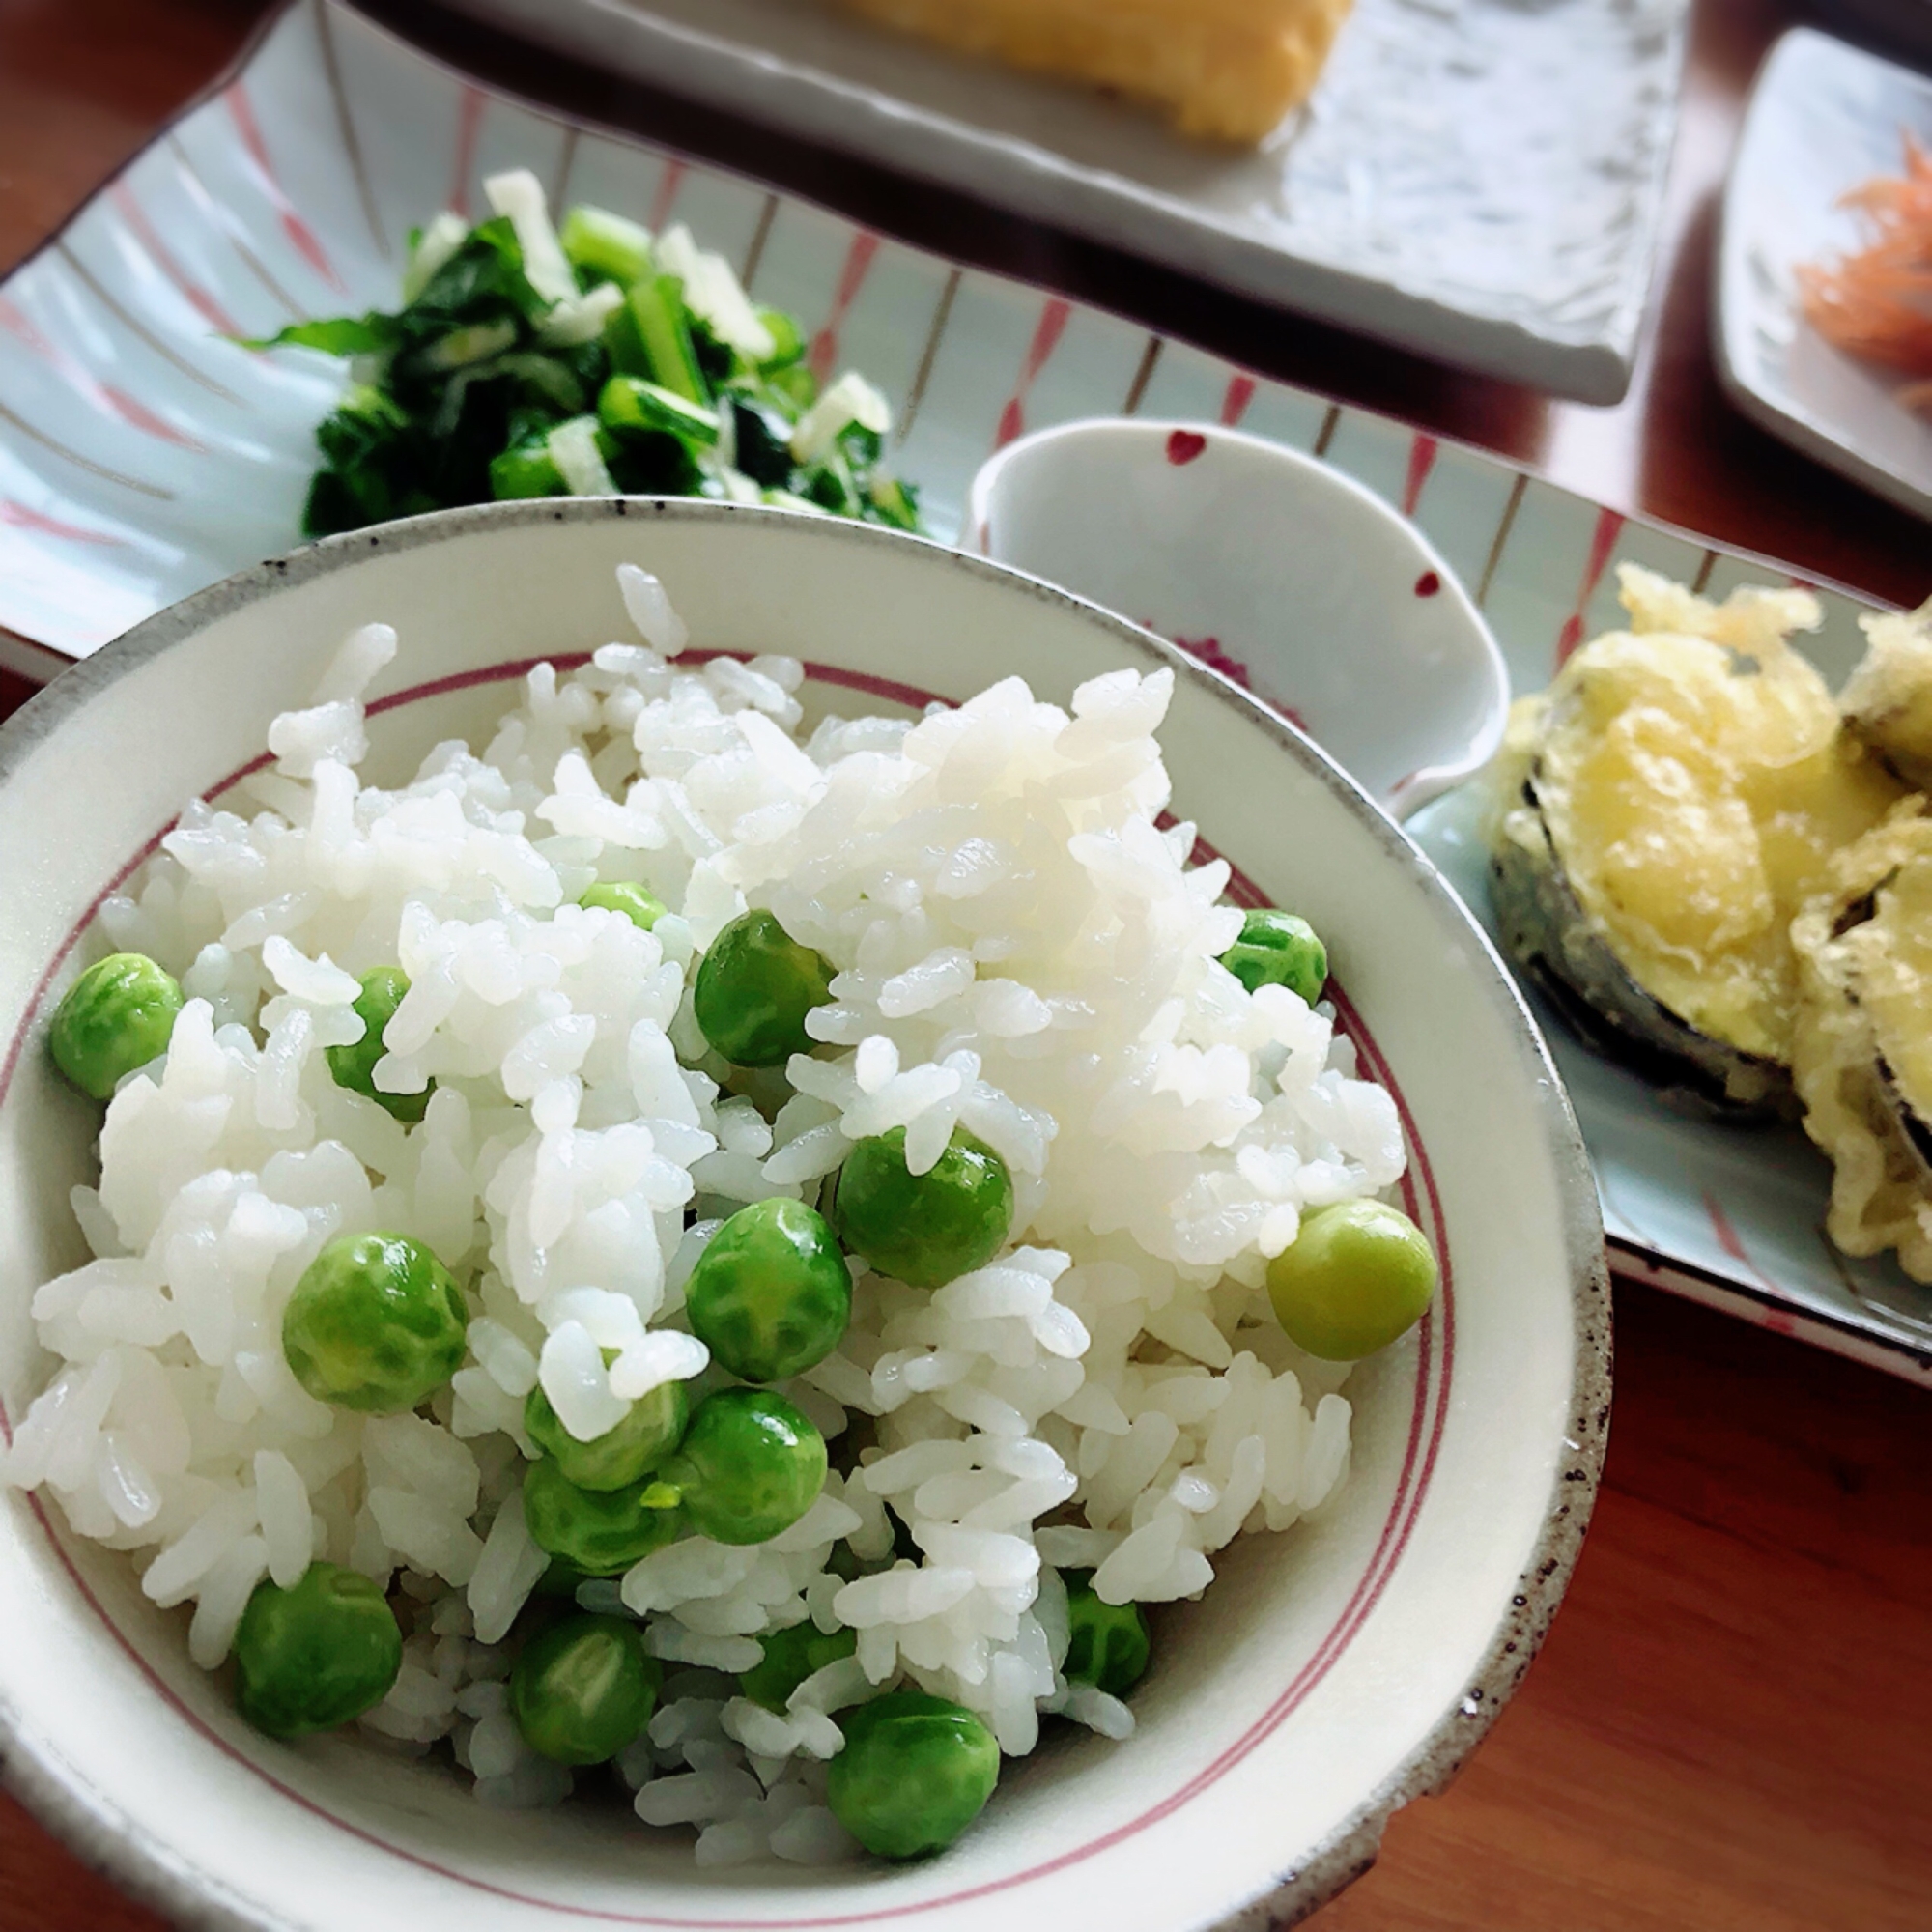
1731, 1725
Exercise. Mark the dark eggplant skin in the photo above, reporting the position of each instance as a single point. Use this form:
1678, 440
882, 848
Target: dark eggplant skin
1911, 1136
1911, 769
1549, 936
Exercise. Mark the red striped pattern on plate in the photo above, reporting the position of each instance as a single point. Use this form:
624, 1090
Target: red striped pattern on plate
306, 243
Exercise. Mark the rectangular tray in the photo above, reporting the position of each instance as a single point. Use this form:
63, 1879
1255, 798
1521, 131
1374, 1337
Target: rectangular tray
1477, 180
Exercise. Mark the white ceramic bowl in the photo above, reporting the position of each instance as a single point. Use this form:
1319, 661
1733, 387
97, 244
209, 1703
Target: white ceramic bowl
1287, 576
1329, 1674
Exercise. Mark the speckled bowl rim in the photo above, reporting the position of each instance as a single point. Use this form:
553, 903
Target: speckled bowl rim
149, 1869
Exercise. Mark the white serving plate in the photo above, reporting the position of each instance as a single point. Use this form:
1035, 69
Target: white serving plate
1480, 180
1326, 1678
142, 456
1824, 117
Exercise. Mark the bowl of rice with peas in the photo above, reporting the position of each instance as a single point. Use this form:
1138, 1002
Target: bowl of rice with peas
714, 1220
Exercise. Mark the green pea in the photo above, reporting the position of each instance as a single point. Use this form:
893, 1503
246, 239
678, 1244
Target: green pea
771, 1294
1276, 949
791, 1656
583, 1689
751, 1465
1359, 1274
601, 1532
916, 1771
375, 1323
637, 903
621, 1456
355, 1066
925, 1228
117, 1016
1110, 1646
754, 989
317, 1654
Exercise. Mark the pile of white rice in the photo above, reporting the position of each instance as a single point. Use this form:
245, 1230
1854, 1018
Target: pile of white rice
1020, 950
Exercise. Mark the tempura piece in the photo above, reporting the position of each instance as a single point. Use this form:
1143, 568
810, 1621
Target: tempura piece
1887, 701
1660, 814
1862, 1049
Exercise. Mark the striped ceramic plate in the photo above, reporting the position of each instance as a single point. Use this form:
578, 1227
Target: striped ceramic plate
143, 454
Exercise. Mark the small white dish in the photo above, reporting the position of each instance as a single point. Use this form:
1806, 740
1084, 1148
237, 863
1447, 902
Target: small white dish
1272, 568
1823, 118
1328, 1677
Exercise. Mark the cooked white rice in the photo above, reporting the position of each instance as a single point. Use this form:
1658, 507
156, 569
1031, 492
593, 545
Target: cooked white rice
1022, 949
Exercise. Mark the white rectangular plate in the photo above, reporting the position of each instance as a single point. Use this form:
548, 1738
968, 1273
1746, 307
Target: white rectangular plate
1824, 117
1475, 179
144, 455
